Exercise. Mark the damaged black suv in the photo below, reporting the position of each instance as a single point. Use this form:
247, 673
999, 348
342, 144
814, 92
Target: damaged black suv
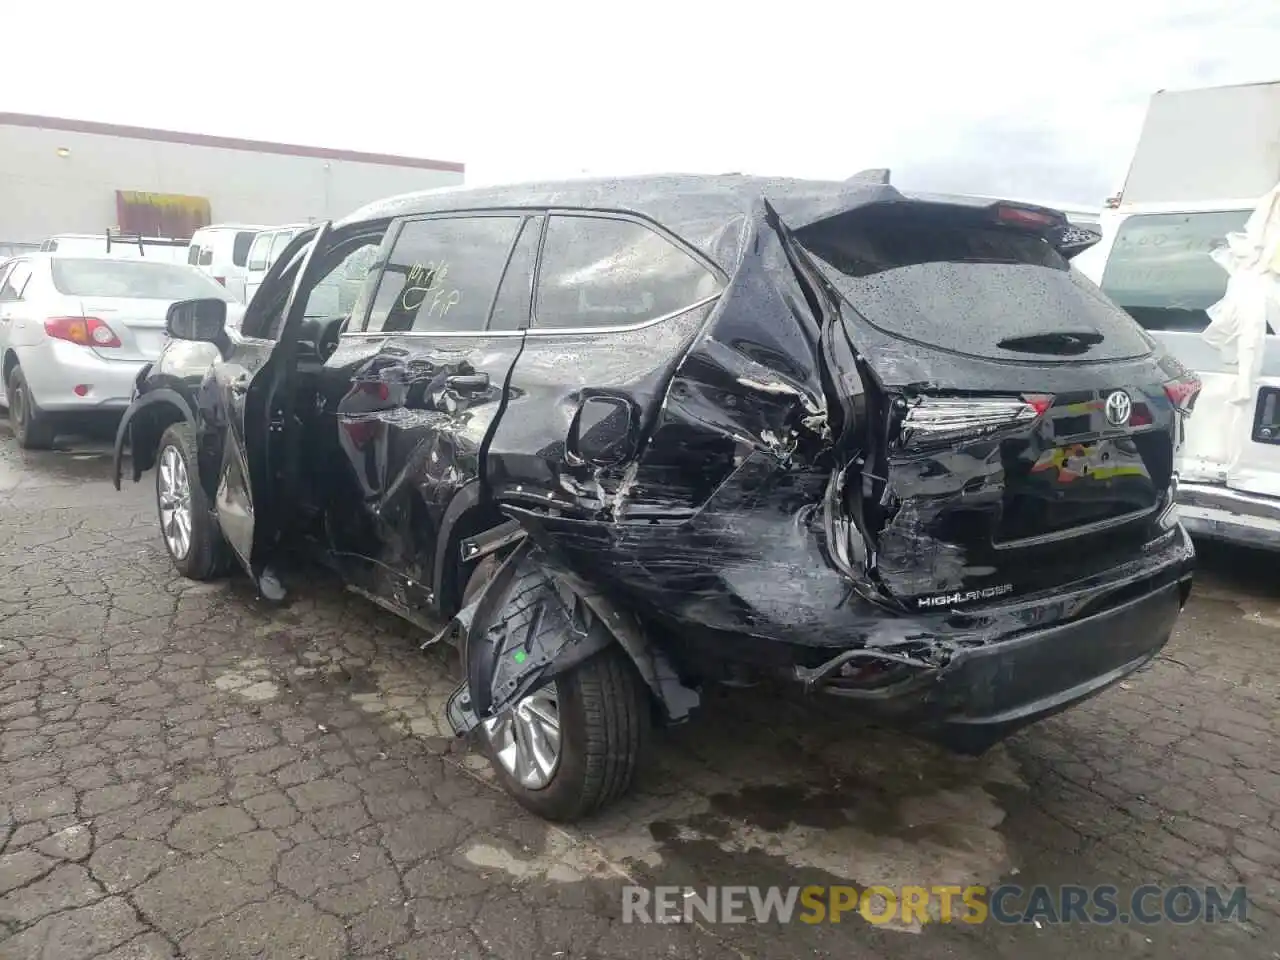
622, 439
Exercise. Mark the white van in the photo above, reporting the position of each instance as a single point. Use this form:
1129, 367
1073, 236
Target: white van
222, 251
1204, 161
1158, 266
266, 249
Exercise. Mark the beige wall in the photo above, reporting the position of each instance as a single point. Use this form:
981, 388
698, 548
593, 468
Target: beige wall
42, 193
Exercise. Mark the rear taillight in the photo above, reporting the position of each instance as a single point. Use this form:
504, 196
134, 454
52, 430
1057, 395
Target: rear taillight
932, 420
86, 331
1182, 394
221, 280
1033, 217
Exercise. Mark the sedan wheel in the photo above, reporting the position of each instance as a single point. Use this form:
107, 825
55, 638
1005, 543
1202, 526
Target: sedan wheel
173, 491
31, 428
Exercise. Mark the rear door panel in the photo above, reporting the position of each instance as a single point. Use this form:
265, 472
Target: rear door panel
408, 405
618, 305
407, 440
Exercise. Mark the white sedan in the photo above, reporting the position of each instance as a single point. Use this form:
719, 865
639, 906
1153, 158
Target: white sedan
75, 331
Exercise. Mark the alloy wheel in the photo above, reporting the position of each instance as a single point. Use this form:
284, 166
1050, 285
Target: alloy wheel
174, 496
526, 738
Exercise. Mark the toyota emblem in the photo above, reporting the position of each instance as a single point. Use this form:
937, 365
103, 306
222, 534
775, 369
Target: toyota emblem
1119, 406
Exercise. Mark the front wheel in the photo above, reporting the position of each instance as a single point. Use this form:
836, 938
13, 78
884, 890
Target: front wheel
187, 526
572, 745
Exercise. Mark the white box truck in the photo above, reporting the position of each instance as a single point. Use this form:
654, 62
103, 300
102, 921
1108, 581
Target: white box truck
1207, 162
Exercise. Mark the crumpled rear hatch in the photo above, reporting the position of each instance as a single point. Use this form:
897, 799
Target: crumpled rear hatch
1022, 427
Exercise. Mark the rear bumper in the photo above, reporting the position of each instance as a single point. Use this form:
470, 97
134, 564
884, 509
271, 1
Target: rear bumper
1216, 512
55, 368
981, 693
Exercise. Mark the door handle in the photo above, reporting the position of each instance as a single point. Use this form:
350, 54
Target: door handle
467, 382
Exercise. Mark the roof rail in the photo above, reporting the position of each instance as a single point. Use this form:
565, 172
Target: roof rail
142, 242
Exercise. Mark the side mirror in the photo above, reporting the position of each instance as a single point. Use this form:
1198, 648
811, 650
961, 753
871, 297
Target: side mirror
203, 320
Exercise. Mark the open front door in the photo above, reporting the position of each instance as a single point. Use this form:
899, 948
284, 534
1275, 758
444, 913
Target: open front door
254, 386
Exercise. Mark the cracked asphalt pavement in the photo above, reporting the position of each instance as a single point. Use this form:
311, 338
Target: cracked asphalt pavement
186, 772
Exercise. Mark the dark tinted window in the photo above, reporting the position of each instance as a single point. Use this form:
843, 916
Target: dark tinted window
442, 274
947, 278
515, 296
1160, 269
193, 254
145, 280
599, 272
206, 256
240, 248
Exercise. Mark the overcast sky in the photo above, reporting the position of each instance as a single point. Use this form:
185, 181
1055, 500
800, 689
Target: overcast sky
1030, 100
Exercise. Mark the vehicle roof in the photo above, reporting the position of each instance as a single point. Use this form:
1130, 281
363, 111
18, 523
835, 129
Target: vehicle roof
1220, 205
59, 255
259, 227
698, 207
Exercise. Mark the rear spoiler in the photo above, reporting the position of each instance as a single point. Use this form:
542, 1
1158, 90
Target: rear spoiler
1069, 239
143, 242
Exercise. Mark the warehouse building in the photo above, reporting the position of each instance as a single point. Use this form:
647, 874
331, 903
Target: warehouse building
77, 176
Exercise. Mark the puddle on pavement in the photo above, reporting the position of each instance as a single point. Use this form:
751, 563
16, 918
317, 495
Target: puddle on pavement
563, 859
72, 461
758, 799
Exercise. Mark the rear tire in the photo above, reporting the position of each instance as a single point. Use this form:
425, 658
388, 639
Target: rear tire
32, 429
601, 706
202, 553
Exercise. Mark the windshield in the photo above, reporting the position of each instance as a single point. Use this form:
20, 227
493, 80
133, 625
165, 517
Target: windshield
1160, 269
135, 279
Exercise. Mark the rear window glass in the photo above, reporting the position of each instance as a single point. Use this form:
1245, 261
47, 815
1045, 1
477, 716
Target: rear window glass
240, 248
1161, 271
193, 254
943, 279
138, 279
599, 272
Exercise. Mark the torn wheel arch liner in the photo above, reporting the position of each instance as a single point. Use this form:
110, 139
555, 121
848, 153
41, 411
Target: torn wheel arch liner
589, 622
